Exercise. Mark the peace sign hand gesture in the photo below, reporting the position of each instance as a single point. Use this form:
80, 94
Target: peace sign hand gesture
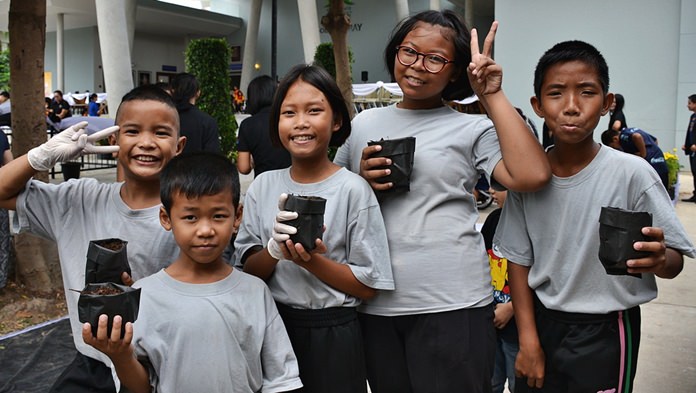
485, 76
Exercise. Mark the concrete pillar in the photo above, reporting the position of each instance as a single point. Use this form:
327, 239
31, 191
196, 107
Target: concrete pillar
60, 53
401, 9
130, 7
435, 5
115, 49
252, 36
469, 13
309, 25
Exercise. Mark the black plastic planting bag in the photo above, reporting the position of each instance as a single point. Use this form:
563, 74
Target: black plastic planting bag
107, 259
110, 299
618, 230
401, 152
309, 221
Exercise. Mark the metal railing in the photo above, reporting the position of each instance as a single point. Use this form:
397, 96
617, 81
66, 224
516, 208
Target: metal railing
87, 163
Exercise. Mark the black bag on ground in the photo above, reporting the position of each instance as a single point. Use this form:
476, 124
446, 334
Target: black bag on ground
401, 151
107, 259
618, 230
110, 299
309, 221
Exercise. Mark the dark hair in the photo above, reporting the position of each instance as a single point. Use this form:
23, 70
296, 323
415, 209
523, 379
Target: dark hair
619, 100
567, 51
60, 93
608, 136
461, 39
93, 95
147, 93
324, 82
692, 98
5, 94
184, 87
197, 174
260, 93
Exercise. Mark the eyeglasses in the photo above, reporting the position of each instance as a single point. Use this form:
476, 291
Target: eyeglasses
433, 63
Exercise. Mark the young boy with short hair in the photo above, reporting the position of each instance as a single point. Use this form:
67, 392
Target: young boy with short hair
73, 213
579, 328
203, 326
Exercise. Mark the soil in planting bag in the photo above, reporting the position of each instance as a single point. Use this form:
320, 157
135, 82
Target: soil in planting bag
110, 299
107, 259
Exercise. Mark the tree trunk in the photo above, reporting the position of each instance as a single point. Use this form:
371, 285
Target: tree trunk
337, 23
37, 262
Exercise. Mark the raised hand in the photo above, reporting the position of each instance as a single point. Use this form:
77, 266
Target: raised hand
68, 145
114, 347
485, 75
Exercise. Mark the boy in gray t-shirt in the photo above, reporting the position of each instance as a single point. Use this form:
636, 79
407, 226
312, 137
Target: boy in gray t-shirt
202, 326
579, 327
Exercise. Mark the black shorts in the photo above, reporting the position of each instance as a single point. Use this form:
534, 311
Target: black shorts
445, 352
328, 346
587, 352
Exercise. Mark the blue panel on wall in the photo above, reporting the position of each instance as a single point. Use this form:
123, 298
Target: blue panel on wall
236, 67
168, 68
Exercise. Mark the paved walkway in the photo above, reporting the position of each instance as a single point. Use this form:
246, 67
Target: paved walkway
667, 361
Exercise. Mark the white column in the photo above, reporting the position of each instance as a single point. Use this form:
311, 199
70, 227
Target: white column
309, 25
435, 5
252, 36
115, 50
401, 9
469, 13
60, 52
130, 7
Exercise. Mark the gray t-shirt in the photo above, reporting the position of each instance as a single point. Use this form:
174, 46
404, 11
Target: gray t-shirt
224, 336
438, 257
555, 231
354, 235
75, 212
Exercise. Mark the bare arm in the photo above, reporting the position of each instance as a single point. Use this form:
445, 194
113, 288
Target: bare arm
530, 169
640, 144
14, 176
244, 162
6, 157
335, 274
616, 126
260, 263
530, 358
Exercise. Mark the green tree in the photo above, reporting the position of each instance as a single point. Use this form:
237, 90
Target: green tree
5, 69
324, 56
209, 60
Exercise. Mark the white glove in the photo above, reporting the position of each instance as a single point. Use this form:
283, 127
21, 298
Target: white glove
68, 145
281, 232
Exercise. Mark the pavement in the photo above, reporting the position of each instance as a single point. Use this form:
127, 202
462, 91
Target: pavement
667, 359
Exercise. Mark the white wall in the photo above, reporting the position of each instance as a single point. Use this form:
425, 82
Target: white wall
151, 52
640, 40
686, 83
82, 59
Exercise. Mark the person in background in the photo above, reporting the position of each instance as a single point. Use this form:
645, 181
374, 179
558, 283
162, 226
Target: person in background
199, 128
690, 143
638, 142
5, 109
5, 157
504, 319
60, 109
93, 109
254, 147
237, 99
617, 120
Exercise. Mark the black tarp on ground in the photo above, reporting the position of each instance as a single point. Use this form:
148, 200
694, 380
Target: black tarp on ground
31, 361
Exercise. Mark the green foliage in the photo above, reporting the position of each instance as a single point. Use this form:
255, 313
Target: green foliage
5, 70
324, 57
209, 59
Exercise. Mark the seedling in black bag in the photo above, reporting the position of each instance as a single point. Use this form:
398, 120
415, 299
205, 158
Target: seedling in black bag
401, 152
110, 299
618, 230
107, 259
309, 221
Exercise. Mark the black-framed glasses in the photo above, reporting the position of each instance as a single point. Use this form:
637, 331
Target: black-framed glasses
432, 62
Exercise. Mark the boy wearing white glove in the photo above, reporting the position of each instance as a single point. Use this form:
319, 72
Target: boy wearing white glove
73, 213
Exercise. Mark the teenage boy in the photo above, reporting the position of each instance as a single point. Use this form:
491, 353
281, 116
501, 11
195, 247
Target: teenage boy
579, 328
73, 213
203, 326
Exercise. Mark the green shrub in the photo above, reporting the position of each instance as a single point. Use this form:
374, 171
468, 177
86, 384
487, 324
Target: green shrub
209, 60
324, 56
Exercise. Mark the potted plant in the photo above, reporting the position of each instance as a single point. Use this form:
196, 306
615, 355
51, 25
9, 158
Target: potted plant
673, 167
